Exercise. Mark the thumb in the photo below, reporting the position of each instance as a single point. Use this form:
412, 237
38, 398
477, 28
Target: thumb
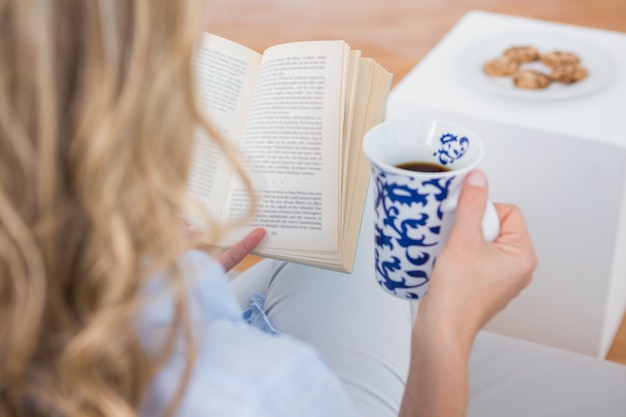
471, 209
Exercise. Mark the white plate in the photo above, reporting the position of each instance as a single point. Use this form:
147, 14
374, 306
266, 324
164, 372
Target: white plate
469, 63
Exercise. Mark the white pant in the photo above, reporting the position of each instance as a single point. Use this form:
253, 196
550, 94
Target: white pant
364, 334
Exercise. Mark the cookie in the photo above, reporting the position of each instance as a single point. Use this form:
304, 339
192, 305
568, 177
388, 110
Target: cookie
531, 79
500, 67
522, 54
568, 73
558, 58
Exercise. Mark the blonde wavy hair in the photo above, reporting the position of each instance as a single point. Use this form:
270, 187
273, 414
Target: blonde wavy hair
98, 113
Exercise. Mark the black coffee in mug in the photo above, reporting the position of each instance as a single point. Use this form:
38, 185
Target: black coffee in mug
423, 167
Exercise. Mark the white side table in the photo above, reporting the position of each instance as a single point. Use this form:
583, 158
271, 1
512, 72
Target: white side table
563, 162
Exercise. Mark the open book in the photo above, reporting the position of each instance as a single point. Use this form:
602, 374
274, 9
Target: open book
297, 113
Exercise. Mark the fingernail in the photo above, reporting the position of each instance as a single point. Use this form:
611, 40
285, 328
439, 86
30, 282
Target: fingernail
477, 179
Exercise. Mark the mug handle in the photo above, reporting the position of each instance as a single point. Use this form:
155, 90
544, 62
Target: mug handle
491, 223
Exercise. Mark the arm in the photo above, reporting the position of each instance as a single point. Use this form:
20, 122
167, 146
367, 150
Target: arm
472, 281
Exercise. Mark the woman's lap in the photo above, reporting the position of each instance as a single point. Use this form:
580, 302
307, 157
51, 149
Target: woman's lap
363, 333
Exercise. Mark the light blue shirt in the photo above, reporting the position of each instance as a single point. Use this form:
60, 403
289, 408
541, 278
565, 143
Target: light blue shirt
240, 369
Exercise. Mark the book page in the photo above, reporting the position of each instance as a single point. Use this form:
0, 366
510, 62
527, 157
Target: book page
226, 75
291, 145
372, 90
352, 79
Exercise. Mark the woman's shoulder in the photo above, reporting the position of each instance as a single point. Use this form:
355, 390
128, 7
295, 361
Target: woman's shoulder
239, 369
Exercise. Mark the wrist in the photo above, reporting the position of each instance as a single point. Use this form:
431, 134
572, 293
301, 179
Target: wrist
444, 328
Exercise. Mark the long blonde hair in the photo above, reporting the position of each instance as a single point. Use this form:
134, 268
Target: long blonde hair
97, 119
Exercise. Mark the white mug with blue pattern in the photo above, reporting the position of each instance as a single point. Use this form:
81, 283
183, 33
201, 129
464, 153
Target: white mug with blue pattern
415, 211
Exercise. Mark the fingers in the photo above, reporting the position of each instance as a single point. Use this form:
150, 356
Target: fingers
512, 223
471, 208
514, 232
232, 256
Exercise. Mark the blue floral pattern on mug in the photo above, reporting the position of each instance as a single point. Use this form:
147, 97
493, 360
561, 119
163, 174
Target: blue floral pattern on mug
451, 148
409, 229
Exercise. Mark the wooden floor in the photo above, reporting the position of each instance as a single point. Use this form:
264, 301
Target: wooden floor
397, 33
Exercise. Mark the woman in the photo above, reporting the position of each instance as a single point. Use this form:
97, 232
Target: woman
106, 310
